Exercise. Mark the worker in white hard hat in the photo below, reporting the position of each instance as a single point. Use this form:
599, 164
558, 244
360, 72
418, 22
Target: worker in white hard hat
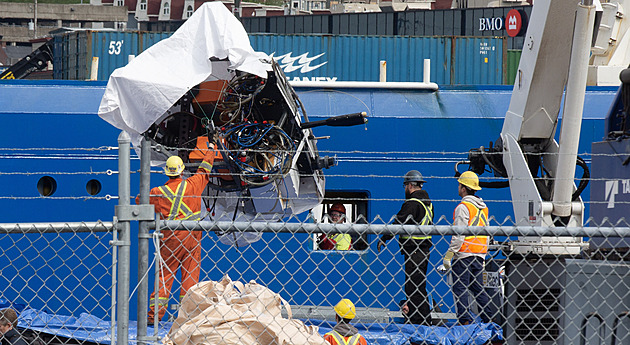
179, 198
468, 253
344, 333
416, 210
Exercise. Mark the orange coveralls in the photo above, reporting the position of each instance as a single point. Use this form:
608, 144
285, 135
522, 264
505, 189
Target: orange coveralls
180, 199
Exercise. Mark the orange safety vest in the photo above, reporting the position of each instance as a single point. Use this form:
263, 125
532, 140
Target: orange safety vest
356, 339
180, 199
477, 217
179, 209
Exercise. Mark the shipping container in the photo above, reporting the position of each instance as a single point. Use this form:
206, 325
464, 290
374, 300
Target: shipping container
478, 60
475, 22
74, 52
513, 59
150, 38
454, 60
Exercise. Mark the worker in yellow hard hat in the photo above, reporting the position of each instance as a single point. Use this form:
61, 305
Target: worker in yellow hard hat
344, 333
179, 198
468, 253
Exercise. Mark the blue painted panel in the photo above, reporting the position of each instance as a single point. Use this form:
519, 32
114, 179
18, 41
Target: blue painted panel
610, 191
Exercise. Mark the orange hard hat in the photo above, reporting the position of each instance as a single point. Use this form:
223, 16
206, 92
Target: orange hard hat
338, 207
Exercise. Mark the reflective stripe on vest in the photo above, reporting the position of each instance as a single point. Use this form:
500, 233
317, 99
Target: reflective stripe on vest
428, 215
342, 241
353, 340
477, 217
177, 205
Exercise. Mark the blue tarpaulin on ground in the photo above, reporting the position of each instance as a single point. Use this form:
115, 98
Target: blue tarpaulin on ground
89, 328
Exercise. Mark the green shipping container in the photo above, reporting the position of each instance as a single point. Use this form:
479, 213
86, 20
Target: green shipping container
513, 59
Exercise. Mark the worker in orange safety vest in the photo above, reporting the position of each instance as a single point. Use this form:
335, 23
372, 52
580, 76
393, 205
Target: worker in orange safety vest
179, 199
469, 252
344, 333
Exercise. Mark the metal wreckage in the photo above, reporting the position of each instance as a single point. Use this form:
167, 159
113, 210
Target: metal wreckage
205, 81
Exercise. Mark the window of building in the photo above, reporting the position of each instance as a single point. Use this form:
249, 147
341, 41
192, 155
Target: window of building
189, 11
120, 2
356, 207
143, 5
167, 9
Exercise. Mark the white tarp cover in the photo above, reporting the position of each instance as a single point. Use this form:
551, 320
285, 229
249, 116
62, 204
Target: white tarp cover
138, 94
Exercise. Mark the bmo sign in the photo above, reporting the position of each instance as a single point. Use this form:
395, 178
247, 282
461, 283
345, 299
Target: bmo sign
513, 23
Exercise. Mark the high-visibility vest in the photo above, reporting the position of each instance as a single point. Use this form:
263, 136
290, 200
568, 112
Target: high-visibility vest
342, 241
477, 217
353, 340
179, 209
428, 215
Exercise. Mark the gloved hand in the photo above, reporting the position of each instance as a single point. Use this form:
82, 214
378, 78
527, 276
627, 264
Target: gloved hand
213, 135
380, 245
447, 259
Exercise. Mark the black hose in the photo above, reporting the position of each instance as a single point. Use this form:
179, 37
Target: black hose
586, 175
501, 172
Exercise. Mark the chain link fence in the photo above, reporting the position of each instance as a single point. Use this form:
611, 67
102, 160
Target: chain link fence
542, 285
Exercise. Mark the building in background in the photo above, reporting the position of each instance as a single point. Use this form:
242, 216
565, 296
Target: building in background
168, 15
488, 3
22, 22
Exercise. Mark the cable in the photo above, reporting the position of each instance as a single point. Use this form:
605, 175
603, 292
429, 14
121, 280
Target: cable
583, 181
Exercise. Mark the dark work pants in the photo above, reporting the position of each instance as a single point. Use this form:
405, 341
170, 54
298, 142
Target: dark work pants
416, 254
468, 277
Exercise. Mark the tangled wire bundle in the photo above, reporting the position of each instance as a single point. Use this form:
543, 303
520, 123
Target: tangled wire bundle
263, 152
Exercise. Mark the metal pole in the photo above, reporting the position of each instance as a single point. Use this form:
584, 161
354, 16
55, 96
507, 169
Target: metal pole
382, 71
573, 108
112, 329
237, 9
124, 194
427, 71
143, 241
35, 19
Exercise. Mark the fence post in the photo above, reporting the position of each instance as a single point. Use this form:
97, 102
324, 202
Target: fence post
143, 242
124, 194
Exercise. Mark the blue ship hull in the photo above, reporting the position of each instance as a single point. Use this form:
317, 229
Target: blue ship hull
407, 130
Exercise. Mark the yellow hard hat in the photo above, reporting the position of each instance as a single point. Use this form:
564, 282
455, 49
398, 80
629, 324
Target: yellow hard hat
470, 180
345, 309
174, 166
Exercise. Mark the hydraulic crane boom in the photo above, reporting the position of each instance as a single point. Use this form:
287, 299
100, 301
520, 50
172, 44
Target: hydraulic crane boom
37, 60
540, 170
551, 60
